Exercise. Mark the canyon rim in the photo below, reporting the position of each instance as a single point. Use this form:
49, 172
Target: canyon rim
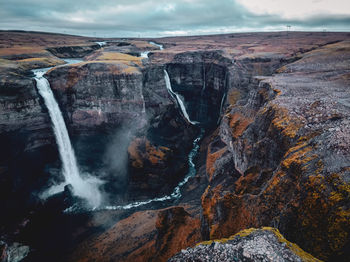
178, 147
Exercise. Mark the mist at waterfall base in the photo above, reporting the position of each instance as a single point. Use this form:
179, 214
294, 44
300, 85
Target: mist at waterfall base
105, 155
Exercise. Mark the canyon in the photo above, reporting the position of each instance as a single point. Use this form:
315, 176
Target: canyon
204, 144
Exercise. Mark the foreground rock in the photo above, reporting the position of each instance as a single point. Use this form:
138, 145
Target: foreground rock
13, 253
265, 244
144, 236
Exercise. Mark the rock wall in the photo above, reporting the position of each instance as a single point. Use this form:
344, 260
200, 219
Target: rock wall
27, 143
78, 51
285, 141
201, 78
95, 95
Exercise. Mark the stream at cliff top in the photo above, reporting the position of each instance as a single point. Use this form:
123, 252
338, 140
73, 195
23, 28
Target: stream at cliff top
144, 54
83, 187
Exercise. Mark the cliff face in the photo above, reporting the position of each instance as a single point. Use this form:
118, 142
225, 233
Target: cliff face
287, 142
26, 138
116, 90
200, 77
95, 94
78, 51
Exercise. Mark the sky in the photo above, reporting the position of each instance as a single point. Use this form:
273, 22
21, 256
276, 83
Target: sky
157, 18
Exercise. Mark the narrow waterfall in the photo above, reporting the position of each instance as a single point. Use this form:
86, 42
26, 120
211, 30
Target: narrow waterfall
144, 54
84, 188
155, 44
101, 44
177, 98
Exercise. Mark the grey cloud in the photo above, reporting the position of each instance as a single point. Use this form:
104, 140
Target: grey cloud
148, 17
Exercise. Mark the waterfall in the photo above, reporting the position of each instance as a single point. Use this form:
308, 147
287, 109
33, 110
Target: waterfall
145, 54
160, 46
84, 188
177, 98
101, 44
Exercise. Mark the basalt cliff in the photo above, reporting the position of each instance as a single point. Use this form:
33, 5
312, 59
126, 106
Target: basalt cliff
268, 112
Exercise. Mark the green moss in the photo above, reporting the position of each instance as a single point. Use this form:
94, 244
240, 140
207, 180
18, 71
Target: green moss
306, 257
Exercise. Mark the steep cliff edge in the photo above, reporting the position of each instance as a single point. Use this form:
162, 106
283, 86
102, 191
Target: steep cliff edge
27, 142
288, 144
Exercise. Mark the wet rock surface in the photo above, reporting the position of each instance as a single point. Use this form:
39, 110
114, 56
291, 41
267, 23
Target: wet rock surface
249, 245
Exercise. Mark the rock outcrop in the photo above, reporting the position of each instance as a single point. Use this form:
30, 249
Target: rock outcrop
97, 94
78, 51
144, 236
265, 244
13, 253
287, 144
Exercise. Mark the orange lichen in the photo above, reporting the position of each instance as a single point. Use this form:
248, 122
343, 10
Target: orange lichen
298, 157
238, 123
305, 257
245, 184
326, 210
211, 159
155, 154
141, 150
19, 50
287, 125
115, 56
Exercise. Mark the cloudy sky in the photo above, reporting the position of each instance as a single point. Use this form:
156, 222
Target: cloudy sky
157, 18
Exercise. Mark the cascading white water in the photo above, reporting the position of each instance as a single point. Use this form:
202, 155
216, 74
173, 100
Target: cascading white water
145, 54
84, 188
155, 44
177, 98
101, 43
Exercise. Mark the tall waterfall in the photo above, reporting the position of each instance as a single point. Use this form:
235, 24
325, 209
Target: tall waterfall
177, 98
84, 188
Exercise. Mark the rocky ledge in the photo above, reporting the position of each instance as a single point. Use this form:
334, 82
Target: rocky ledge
265, 244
